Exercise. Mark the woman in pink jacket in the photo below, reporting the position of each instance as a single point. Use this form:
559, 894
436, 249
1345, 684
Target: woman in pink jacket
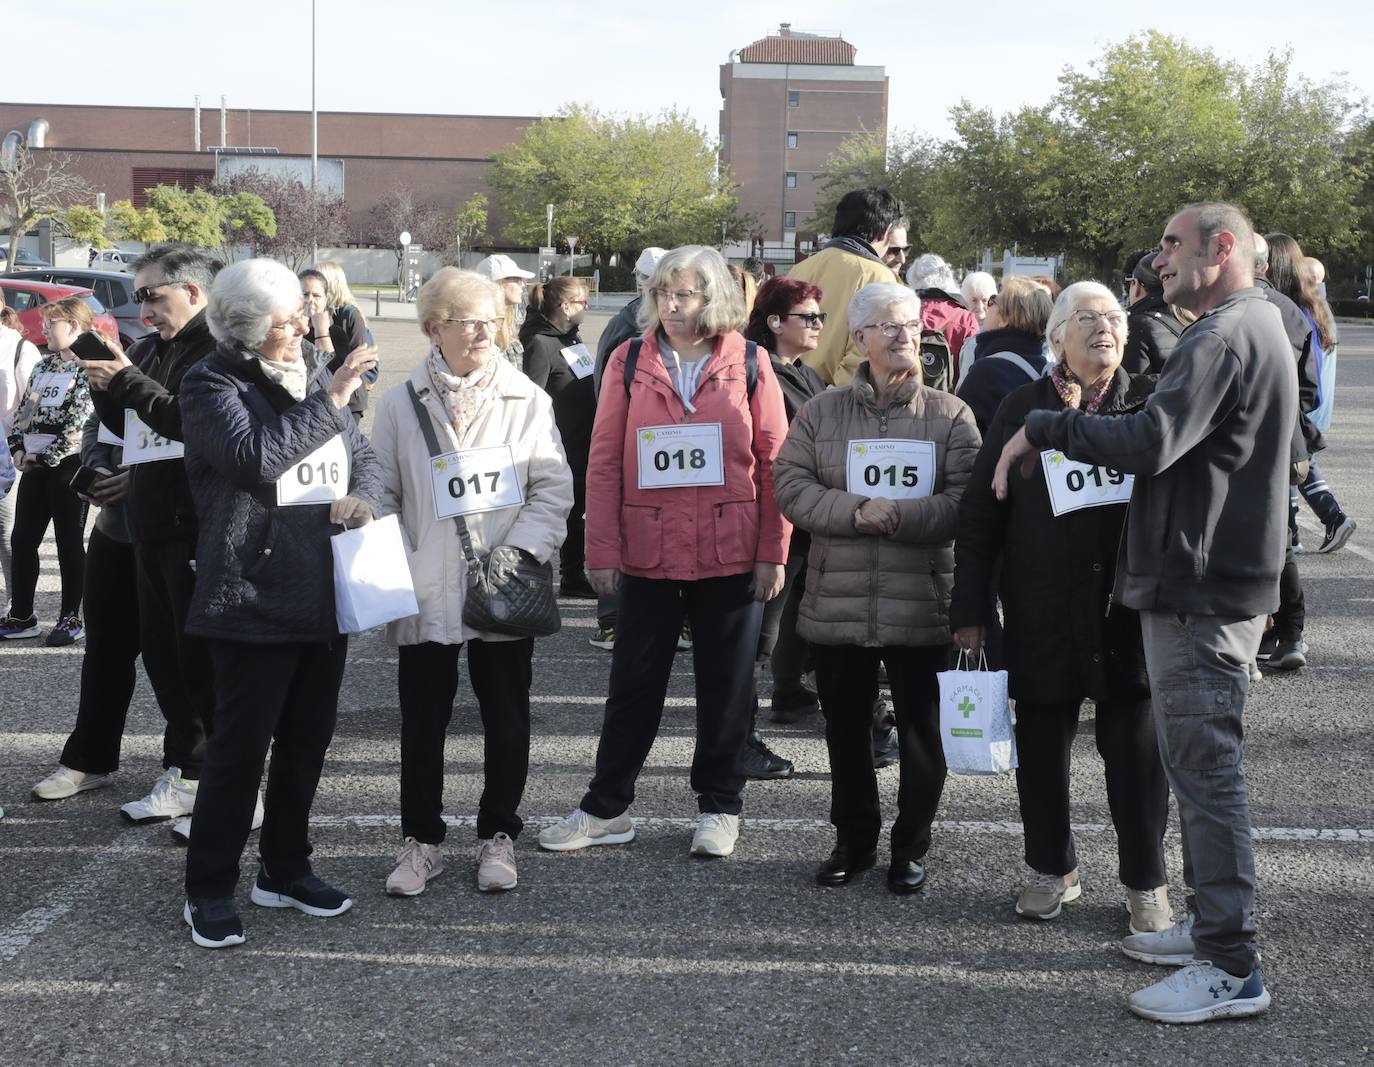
682, 522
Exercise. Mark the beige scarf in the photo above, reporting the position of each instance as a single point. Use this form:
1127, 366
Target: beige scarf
465, 397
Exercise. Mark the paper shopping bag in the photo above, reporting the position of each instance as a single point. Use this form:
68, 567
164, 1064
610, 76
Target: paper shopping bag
975, 721
372, 583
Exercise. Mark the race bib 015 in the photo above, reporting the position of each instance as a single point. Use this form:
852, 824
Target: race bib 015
894, 468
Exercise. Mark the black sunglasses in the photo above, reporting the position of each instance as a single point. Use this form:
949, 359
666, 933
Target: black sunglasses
141, 295
811, 318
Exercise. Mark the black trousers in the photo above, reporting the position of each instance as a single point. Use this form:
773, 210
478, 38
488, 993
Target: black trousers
45, 498
847, 682
1291, 618
1137, 791
428, 683
779, 643
178, 664
725, 620
572, 554
285, 695
109, 666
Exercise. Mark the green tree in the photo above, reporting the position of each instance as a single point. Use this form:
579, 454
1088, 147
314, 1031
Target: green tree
193, 217
617, 184
128, 223
470, 222
907, 165
245, 219
85, 224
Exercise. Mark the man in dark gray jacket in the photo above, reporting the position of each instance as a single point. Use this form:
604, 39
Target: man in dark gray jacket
1204, 548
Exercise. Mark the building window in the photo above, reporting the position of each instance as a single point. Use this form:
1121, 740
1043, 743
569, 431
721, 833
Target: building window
789, 220
791, 179
791, 140
793, 98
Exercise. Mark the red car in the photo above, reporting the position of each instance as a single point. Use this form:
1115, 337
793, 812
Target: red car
28, 299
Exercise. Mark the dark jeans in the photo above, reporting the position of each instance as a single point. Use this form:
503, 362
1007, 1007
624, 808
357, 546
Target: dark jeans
725, 620
109, 666
779, 641
1291, 618
607, 611
428, 683
1319, 496
572, 555
286, 695
1137, 793
46, 499
847, 681
178, 664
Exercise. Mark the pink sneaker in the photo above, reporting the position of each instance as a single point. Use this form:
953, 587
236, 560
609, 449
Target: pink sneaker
496, 864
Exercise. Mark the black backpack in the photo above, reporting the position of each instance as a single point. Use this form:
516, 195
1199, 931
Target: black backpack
937, 365
751, 364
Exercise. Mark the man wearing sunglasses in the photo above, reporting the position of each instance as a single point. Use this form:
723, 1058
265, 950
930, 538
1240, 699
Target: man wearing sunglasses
171, 287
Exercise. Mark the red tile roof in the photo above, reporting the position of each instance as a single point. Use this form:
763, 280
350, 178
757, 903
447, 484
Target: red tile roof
800, 48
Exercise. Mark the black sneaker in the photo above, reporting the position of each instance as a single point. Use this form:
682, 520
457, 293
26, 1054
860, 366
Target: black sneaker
886, 749
793, 705
1289, 655
1337, 534
213, 921
760, 762
307, 894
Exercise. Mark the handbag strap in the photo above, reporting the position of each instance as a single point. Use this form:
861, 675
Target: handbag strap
432, 443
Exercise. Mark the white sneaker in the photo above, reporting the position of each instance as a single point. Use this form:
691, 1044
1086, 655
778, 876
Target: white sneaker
1200, 993
716, 834
172, 797
581, 829
181, 829
1149, 910
496, 864
65, 782
1170, 948
415, 866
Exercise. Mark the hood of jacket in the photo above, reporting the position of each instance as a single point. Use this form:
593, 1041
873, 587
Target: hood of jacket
537, 325
855, 246
1029, 346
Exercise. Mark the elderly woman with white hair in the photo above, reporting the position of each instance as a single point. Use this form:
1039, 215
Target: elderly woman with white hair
979, 290
941, 307
874, 472
681, 519
276, 466
513, 488
1056, 536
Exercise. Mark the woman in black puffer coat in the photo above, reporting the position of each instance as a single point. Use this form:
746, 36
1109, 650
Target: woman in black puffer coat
1056, 537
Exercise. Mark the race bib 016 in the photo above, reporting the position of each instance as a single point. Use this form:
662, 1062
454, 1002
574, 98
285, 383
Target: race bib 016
893, 468
1074, 486
680, 456
318, 478
475, 479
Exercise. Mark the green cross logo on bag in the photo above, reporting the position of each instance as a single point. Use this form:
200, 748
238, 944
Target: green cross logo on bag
967, 706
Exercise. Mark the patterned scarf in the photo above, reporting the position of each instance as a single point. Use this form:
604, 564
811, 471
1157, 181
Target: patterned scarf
465, 397
1070, 389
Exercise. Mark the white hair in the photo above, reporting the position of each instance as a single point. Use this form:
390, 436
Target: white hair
977, 283
930, 271
1069, 301
247, 296
866, 304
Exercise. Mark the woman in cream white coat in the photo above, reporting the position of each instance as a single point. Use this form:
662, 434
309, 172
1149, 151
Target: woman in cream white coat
474, 400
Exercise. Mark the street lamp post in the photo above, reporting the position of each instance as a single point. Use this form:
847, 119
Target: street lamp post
314, 150
548, 211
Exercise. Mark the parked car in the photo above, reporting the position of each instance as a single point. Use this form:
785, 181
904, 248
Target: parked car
113, 259
28, 297
114, 290
25, 260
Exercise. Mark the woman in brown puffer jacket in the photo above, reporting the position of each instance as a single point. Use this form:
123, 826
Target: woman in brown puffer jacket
874, 473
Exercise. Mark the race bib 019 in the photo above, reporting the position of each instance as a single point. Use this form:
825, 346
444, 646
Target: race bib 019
143, 444
680, 456
318, 478
893, 468
1074, 486
474, 480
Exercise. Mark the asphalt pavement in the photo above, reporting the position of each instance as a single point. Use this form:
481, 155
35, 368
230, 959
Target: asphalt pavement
642, 955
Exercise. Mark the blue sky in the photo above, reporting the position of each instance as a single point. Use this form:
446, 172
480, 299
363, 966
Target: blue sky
533, 56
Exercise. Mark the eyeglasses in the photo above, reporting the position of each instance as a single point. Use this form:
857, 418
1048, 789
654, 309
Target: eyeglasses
900, 250
811, 318
678, 296
580, 303
296, 320
892, 329
471, 325
142, 296
1088, 319
992, 300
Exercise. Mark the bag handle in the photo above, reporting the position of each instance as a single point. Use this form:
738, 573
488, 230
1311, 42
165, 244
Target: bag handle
432, 443
965, 659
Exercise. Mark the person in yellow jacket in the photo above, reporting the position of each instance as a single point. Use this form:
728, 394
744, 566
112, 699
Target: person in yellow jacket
851, 259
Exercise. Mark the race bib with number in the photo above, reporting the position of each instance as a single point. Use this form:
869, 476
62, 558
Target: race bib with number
1074, 486
474, 480
319, 478
53, 387
35, 443
579, 359
684, 455
107, 436
892, 468
143, 444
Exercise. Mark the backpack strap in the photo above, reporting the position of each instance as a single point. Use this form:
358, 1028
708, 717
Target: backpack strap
632, 361
432, 443
751, 364
1011, 357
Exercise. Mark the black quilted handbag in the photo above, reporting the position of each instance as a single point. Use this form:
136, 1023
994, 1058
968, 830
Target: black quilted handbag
509, 592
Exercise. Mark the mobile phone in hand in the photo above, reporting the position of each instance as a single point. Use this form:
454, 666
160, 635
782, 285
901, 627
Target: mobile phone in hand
90, 346
84, 480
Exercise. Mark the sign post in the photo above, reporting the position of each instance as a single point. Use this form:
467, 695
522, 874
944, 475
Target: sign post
572, 247
404, 240
548, 211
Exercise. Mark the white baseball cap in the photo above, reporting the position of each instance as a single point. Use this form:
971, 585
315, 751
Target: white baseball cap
498, 268
648, 260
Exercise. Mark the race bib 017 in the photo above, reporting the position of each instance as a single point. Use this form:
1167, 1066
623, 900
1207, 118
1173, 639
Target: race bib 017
474, 480
1074, 486
893, 468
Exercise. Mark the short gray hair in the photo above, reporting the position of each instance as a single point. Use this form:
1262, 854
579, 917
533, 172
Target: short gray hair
977, 283
247, 296
1261, 254
1214, 217
724, 307
930, 271
182, 264
871, 299
1068, 302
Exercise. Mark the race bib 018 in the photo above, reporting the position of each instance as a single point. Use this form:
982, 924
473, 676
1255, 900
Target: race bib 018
475, 479
893, 468
680, 456
1074, 486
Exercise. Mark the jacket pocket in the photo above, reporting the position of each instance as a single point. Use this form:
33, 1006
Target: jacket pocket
1201, 727
737, 531
641, 531
260, 559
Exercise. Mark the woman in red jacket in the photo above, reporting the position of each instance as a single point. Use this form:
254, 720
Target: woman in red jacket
682, 522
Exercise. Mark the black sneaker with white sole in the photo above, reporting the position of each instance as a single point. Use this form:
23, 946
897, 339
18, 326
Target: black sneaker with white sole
213, 921
307, 894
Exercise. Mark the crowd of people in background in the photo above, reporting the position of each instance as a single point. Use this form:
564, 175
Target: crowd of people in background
824, 484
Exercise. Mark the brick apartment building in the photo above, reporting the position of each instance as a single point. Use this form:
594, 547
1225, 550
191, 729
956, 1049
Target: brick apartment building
788, 101
124, 151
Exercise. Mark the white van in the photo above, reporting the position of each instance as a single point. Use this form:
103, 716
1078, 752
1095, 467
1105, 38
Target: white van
114, 259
